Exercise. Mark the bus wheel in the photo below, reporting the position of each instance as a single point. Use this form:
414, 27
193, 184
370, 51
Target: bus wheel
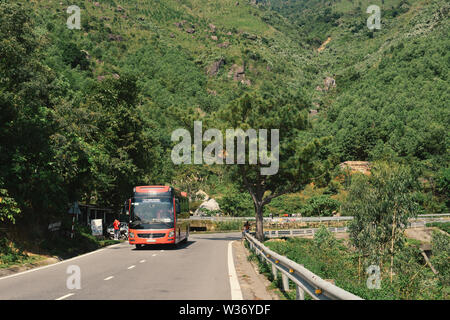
138, 246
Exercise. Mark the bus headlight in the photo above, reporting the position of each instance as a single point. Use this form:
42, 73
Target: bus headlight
171, 234
131, 235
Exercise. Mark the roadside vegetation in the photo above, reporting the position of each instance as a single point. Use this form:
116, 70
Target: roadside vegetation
444, 226
17, 249
381, 205
336, 260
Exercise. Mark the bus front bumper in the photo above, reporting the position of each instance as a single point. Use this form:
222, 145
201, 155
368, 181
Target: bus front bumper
151, 237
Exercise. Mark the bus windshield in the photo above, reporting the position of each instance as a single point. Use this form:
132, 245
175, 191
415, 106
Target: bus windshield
152, 210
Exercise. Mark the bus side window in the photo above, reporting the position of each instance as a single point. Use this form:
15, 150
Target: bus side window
177, 206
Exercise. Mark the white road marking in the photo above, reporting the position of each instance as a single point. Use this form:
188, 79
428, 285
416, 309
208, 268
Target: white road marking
66, 296
153, 255
108, 278
131, 267
142, 261
236, 293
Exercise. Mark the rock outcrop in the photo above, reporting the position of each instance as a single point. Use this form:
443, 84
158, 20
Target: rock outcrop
356, 166
328, 83
238, 74
214, 68
223, 45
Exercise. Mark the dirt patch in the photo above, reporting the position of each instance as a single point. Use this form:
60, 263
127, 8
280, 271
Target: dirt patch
423, 234
324, 44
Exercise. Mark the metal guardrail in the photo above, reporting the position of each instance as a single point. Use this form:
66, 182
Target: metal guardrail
311, 231
435, 217
299, 232
305, 280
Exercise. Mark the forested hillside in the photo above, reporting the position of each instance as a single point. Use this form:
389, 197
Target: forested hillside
391, 95
87, 114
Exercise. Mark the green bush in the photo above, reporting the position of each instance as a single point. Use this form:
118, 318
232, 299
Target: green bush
290, 203
324, 238
440, 259
229, 225
321, 205
237, 204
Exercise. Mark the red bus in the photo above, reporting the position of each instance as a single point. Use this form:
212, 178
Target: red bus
158, 215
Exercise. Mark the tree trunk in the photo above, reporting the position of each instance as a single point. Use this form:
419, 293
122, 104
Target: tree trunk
257, 194
392, 246
359, 267
259, 221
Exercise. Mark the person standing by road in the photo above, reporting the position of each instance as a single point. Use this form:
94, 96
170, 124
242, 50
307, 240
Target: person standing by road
246, 229
116, 229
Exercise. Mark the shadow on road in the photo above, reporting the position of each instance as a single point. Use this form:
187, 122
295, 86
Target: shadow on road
153, 247
227, 238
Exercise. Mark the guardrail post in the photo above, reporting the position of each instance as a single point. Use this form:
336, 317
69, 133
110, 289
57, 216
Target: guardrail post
285, 282
274, 272
260, 256
300, 293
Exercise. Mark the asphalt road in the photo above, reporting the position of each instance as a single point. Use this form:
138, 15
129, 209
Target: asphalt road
197, 269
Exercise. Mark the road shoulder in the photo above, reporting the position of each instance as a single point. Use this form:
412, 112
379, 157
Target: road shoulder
254, 286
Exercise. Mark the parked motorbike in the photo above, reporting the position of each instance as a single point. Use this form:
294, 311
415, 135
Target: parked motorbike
123, 231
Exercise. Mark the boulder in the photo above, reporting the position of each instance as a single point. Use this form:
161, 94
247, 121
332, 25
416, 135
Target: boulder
212, 27
312, 112
113, 37
202, 195
212, 92
223, 45
209, 205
